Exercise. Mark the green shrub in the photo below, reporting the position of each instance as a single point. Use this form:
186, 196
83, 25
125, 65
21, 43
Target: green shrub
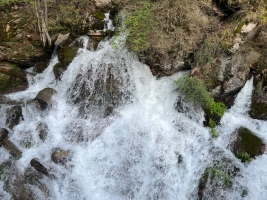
217, 108
244, 157
138, 26
218, 174
194, 91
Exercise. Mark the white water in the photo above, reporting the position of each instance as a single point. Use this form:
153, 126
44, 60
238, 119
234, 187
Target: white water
134, 152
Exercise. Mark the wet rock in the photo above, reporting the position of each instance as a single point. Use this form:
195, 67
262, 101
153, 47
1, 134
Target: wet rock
39, 167
44, 97
40, 67
42, 129
247, 143
3, 135
109, 109
12, 148
17, 184
14, 114
58, 70
60, 156
258, 109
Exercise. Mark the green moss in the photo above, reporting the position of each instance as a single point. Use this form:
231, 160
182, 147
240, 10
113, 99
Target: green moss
99, 15
66, 54
249, 142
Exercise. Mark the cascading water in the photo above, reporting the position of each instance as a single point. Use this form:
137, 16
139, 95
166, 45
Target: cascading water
143, 149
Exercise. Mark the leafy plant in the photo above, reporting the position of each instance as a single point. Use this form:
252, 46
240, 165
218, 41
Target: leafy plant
244, 157
195, 91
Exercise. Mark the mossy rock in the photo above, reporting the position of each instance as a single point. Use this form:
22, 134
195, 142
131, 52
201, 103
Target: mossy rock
40, 67
99, 15
66, 55
258, 110
247, 142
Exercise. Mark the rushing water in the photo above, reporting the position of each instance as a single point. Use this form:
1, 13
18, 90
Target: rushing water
144, 149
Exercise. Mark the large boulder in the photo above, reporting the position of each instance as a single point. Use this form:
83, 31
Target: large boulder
44, 97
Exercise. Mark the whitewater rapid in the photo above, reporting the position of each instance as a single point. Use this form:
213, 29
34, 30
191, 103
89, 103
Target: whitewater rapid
145, 149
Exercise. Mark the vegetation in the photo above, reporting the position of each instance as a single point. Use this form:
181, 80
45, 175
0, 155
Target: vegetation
196, 92
244, 157
220, 175
138, 26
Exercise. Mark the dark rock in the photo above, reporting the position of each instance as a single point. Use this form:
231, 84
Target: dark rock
58, 70
258, 109
14, 114
40, 67
42, 129
247, 142
39, 167
12, 148
3, 135
44, 97
60, 156
108, 110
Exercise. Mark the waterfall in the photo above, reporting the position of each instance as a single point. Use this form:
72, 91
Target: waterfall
143, 149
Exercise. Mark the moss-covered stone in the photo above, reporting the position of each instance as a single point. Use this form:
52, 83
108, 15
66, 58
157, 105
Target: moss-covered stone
258, 110
247, 145
66, 55
99, 15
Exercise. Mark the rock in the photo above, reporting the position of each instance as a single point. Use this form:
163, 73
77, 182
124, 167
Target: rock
19, 36
61, 39
247, 28
42, 130
109, 110
233, 86
3, 135
258, 109
58, 70
12, 148
66, 54
39, 167
247, 142
40, 67
95, 33
44, 97
60, 156
14, 114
